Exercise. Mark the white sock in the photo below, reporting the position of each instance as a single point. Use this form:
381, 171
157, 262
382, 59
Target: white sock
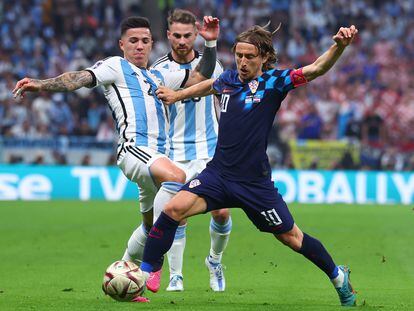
167, 191
136, 244
176, 253
339, 280
219, 235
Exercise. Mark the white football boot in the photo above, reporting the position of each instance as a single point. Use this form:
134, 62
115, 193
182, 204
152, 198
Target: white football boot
176, 284
217, 280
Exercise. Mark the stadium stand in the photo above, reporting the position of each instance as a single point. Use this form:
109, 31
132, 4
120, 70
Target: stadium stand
367, 100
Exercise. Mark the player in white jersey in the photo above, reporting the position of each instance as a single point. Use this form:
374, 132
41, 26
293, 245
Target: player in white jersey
193, 136
140, 116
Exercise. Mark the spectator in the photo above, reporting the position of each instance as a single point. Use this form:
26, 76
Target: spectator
373, 129
94, 116
106, 131
310, 126
39, 159
61, 116
41, 108
86, 160
62, 35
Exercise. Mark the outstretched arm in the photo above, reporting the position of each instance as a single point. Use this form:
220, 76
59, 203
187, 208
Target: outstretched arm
68, 81
205, 68
342, 39
201, 89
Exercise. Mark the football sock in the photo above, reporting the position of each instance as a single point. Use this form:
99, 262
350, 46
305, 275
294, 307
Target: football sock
176, 253
339, 279
159, 241
219, 235
136, 244
167, 191
313, 250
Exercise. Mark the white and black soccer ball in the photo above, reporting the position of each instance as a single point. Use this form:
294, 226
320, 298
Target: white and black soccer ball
123, 281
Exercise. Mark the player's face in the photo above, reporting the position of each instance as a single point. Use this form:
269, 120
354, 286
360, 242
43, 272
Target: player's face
182, 37
248, 60
136, 43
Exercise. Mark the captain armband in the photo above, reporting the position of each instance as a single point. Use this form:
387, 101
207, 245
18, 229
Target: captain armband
298, 77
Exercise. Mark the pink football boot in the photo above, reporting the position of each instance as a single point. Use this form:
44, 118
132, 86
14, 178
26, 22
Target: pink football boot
154, 281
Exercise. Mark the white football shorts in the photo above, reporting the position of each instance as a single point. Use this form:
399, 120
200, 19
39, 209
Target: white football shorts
192, 167
135, 161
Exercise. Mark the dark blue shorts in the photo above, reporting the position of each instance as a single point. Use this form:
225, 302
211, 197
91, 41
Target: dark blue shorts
261, 201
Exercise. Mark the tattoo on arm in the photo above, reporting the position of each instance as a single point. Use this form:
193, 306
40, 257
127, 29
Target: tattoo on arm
68, 81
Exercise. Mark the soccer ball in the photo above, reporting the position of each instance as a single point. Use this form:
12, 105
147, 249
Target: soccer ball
123, 281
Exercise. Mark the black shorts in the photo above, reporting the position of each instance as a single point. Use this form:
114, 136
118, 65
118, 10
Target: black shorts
261, 201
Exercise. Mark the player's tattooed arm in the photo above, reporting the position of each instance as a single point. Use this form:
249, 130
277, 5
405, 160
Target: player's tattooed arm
342, 39
66, 82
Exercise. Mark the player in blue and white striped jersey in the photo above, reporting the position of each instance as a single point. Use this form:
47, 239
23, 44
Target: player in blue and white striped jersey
140, 116
193, 136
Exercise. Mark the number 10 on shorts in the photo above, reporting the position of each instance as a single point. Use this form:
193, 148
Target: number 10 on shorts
272, 217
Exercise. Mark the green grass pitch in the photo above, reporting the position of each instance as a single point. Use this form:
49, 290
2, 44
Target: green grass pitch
53, 255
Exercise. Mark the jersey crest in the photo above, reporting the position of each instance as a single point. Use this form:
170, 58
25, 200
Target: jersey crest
253, 85
194, 183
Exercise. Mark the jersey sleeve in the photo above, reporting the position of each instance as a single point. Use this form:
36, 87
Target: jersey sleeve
218, 70
221, 82
285, 80
105, 71
172, 79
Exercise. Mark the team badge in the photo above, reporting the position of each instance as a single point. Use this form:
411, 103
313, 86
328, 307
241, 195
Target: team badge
194, 183
253, 85
97, 64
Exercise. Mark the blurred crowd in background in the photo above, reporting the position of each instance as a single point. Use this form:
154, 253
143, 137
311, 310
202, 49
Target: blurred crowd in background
367, 99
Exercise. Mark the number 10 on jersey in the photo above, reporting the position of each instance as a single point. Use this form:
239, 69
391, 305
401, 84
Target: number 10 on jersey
224, 102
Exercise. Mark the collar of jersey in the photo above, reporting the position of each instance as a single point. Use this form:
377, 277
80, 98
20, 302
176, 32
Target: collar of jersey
196, 55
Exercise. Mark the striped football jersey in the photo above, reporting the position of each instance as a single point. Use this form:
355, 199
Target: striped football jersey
193, 122
141, 118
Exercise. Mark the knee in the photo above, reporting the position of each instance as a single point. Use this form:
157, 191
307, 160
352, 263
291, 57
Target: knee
177, 175
292, 238
174, 211
221, 216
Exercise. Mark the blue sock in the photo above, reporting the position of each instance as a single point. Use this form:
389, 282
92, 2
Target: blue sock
335, 273
313, 250
159, 241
